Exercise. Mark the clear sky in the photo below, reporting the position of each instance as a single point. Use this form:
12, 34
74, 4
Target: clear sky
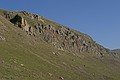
98, 18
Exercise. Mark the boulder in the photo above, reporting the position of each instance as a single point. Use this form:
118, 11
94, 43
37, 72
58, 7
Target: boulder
2, 38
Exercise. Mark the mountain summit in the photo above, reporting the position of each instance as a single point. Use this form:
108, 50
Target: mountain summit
35, 48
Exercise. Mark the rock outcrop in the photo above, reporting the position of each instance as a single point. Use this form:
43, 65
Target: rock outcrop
20, 22
33, 16
60, 36
67, 39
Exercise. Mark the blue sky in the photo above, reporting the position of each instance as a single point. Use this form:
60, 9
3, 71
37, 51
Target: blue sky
98, 18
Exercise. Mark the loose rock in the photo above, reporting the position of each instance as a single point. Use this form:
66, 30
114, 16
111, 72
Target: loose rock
61, 78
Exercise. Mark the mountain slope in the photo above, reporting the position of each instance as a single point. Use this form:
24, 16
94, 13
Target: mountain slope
26, 56
116, 50
60, 36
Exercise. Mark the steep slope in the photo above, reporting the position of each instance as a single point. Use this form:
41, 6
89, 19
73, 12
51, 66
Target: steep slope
60, 36
26, 55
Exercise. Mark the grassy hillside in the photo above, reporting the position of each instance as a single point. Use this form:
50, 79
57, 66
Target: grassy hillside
22, 57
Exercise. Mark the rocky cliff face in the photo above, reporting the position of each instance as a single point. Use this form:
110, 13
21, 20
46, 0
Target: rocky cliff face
60, 36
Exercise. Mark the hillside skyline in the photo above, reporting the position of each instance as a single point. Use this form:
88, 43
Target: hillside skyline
99, 19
